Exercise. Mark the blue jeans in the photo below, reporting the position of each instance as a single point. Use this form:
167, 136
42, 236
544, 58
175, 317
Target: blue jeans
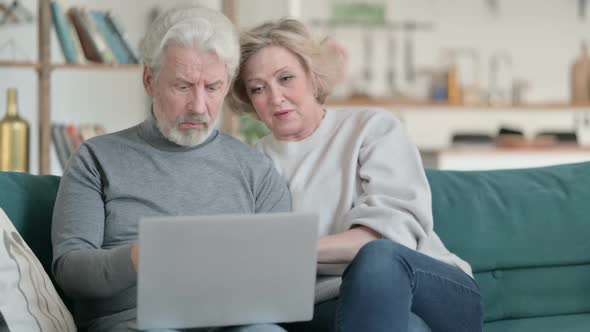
389, 287
387, 281
324, 318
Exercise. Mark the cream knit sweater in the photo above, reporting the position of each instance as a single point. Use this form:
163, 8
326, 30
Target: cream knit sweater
360, 168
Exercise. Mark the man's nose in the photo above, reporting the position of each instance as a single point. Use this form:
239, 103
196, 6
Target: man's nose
198, 104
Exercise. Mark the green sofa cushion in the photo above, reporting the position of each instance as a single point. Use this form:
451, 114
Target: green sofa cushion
28, 202
534, 292
525, 232
570, 323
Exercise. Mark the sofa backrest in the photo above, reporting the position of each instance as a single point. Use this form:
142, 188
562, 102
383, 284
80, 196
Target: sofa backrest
28, 201
525, 232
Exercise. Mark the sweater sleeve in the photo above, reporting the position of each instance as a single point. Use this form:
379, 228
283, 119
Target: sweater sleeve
80, 265
395, 199
272, 193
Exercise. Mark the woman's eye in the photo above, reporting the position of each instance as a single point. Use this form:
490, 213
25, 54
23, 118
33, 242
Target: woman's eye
286, 78
255, 90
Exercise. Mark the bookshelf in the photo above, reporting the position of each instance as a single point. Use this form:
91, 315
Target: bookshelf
19, 64
44, 85
95, 66
44, 68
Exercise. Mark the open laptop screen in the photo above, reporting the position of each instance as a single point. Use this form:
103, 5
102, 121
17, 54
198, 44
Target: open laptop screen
206, 271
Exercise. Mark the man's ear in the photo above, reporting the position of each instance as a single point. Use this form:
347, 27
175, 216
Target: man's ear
228, 87
148, 81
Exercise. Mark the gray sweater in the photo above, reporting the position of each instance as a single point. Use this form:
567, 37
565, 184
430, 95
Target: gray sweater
113, 180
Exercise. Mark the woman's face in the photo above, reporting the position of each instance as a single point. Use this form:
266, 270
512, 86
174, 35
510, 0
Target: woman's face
282, 93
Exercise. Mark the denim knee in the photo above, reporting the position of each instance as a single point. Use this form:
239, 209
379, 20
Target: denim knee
379, 251
379, 257
378, 247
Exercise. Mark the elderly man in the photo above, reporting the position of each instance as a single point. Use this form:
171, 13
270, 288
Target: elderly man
173, 163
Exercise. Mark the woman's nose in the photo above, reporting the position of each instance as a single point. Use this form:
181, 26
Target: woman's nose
277, 97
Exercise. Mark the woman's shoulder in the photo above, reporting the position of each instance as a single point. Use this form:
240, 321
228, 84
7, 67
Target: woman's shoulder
365, 116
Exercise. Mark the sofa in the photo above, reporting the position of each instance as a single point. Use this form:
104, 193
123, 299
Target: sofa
525, 232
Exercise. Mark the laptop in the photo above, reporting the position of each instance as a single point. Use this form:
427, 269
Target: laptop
224, 270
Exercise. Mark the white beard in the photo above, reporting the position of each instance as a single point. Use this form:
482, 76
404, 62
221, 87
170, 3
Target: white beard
187, 138
192, 137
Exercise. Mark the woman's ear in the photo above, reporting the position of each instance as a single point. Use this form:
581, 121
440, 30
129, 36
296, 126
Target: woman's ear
314, 86
148, 81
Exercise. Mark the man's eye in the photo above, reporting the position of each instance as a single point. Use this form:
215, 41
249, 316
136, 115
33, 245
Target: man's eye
213, 88
182, 87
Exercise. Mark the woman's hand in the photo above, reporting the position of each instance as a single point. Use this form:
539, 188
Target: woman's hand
343, 247
134, 255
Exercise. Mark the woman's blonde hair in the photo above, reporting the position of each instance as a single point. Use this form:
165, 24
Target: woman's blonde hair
323, 62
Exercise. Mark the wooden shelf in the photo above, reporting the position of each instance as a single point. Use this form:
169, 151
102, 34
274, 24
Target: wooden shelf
413, 104
19, 64
97, 66
88, 66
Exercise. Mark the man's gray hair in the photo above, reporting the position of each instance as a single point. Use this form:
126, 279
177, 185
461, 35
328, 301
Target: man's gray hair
191, 26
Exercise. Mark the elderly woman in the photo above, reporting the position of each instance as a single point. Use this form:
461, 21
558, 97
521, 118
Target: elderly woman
359, 170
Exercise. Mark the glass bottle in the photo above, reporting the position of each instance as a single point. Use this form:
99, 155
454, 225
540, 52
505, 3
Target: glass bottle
14, 137
580, 78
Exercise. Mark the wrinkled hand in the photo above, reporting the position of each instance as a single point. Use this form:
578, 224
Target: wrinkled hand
134, 254
343, 247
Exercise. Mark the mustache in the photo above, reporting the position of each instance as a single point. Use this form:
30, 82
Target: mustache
204, 118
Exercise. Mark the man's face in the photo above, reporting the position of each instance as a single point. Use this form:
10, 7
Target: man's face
188, 94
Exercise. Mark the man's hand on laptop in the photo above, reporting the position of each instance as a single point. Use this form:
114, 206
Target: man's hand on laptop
134, 253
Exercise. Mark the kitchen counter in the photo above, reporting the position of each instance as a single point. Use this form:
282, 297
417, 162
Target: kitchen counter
486, 158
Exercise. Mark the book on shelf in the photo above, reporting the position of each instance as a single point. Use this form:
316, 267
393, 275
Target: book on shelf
115, 44
87, 131
77, 43
59, 144
68, 137
93, 43
64, 33
89, 45
91, 35
115, 23
74, 135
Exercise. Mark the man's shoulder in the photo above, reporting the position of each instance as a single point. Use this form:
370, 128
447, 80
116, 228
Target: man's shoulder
117, 137
244, 154
237, 146
108, 145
